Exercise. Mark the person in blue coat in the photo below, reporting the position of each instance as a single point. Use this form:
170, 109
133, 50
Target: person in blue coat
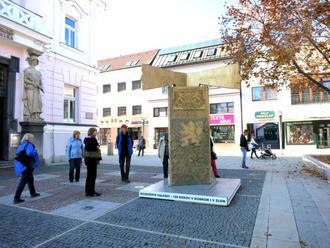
124, 142
74, 154
26, 170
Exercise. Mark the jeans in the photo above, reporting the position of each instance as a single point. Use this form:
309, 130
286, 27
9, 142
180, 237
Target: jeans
74, 165
243, 149
124, 171
91, 175
27, 178
165, 166
214, 167
141, 149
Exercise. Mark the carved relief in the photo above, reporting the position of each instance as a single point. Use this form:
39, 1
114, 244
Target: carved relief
186, 99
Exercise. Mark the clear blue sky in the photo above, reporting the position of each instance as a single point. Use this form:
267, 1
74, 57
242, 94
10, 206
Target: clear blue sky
131, 26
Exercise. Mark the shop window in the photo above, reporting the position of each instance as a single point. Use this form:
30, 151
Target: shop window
70, 32
121, 111
136, 110
223, 134
222, 108
323, 132
106, 112
121, 86
160, 112
300, 133
262, 94
69, 107
106, 88
136, 85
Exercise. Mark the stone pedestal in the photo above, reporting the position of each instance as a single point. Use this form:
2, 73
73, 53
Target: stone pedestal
37, 129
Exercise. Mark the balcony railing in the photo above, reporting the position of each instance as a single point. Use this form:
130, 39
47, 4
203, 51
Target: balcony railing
306, 98
20, 15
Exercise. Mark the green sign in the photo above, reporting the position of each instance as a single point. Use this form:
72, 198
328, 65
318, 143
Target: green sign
264, 114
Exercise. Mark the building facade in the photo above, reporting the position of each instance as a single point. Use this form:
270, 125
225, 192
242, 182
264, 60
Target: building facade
288, 119
146, 112
59, 32
120, 97
225, 105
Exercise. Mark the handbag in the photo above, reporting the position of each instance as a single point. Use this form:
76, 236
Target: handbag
93, 154
23, 158
214, 156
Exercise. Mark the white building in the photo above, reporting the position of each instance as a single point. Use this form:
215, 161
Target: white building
304, 117
61, 33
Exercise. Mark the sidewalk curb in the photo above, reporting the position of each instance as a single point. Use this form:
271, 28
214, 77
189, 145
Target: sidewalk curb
322, 167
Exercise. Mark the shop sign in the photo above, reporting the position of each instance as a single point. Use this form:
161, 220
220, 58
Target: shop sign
222, 119
264, 114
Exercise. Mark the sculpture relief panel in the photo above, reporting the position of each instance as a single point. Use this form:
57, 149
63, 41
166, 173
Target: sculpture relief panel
189, 136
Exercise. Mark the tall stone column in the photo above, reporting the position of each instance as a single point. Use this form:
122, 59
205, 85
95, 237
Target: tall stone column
189, 139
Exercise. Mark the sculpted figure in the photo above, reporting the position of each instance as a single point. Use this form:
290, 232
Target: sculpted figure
32, 87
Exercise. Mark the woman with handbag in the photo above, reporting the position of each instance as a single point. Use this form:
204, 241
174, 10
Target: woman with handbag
26, 161
213, 158
92, 159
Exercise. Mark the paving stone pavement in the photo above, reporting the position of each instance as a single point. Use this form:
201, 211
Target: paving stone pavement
277, 206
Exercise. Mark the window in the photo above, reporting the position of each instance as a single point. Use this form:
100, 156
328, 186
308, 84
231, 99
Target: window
106, 88
198, 54
106, 112
211, 52
184, 56
121, 86
299, 133
312, 94
121, 111
223, 134
70, 32
160, 112
136, 85
165, 89
262, 94
222, 108
136, 110
69, 104
103, 68
172, 58
132, 63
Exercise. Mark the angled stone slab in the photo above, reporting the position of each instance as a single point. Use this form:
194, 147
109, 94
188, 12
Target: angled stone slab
88, 209
41, 177
8, 199
220, 192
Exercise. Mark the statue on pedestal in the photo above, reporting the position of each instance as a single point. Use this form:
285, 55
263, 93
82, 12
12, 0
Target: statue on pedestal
32, 87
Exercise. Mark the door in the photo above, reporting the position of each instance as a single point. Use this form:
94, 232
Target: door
3, 102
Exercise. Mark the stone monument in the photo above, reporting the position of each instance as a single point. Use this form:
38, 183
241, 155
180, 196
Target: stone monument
33, 123
190, 175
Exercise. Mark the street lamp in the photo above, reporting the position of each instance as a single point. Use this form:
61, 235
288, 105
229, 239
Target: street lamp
280, 130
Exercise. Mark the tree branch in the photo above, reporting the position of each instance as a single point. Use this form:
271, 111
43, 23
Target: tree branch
301, 71
319, 49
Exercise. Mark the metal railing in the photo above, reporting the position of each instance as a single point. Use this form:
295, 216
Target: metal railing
20, 15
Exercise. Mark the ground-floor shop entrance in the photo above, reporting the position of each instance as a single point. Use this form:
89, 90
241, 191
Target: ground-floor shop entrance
266, 133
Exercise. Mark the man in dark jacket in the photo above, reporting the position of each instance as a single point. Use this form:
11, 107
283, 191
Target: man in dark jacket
244, 148
124, 143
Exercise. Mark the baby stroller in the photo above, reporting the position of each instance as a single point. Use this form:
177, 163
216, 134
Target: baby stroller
267, 153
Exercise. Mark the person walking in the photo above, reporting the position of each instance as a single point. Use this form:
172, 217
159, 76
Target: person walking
74, 154
163, 153
254, 146
213, 159
92, 159
244, 147
124, 142
26, 161
142, 145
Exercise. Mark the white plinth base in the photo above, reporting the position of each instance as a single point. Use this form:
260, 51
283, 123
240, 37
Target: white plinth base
220, 192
